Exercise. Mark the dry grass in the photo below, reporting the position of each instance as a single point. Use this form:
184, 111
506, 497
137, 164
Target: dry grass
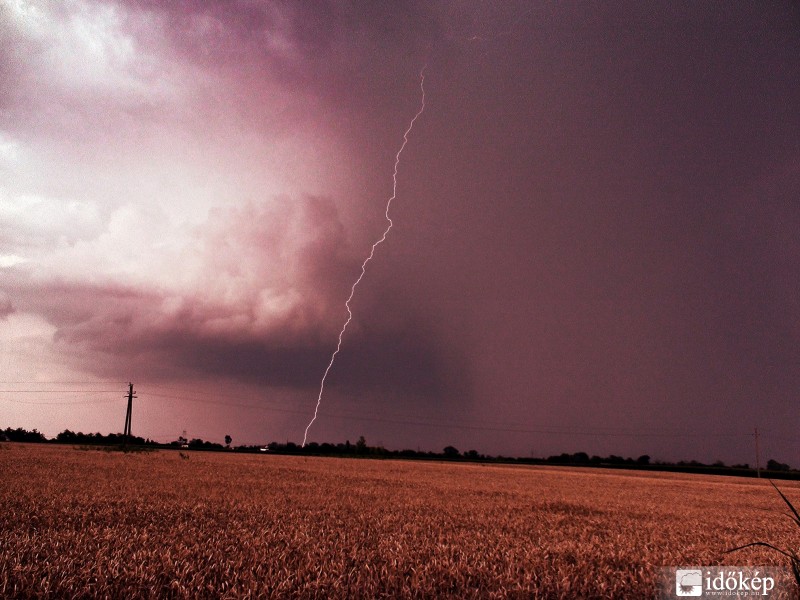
80, 524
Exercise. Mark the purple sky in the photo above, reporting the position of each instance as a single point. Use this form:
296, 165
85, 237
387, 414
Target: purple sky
595, 242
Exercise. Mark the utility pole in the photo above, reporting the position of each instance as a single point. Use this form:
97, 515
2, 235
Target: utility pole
127, 433
758, 454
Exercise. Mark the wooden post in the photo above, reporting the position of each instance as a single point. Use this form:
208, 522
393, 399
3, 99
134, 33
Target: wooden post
127, 433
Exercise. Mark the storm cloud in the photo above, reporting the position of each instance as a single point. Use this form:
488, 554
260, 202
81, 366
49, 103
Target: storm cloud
594, 233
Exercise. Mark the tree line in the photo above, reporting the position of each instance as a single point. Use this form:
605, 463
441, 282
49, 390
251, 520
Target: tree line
361, 449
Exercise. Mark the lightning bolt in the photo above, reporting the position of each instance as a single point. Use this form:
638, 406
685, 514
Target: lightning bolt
372, 251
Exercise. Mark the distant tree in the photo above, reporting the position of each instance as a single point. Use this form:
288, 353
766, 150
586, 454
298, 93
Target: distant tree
643, 460
378, 451
451, 452
23, 435
580, 458
562, 458
774, 465
67, 436
200, 444
361, 445
473, 454
228, 440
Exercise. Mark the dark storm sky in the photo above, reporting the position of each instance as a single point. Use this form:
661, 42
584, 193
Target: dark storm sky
595, 232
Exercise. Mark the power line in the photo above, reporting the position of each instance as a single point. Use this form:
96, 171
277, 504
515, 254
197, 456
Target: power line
60, 402
234, 404
32, 382
451, 425
384, 417
68, 403
205, 390
551, 431
396, 419
56, 391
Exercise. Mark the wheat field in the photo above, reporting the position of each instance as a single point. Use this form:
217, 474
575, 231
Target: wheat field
77, 523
